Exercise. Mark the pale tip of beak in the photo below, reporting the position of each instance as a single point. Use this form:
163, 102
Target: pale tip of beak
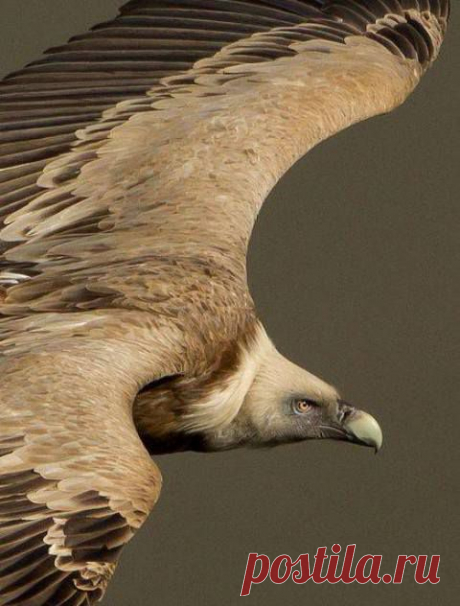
366, 429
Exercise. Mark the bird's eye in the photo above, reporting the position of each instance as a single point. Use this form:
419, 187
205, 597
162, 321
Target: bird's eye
303, 406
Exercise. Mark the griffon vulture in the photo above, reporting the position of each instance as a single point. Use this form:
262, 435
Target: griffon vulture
133, 163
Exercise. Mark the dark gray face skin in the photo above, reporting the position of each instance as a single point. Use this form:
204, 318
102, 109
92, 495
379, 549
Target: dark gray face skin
311, 420
333, 427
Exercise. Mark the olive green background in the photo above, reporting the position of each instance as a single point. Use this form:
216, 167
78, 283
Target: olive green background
354, 267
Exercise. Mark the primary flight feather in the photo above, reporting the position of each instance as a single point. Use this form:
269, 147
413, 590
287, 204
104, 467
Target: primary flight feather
133, 163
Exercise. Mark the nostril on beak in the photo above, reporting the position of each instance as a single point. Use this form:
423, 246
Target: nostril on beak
345, 410
345, 415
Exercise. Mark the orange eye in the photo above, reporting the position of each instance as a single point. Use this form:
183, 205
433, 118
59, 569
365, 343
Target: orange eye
303, 406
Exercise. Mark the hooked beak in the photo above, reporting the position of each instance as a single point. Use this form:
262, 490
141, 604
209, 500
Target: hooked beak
354, 425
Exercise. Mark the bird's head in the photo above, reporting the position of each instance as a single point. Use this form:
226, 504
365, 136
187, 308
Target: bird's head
284, 404
258, 399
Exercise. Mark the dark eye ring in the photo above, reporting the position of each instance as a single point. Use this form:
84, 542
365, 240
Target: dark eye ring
303, 406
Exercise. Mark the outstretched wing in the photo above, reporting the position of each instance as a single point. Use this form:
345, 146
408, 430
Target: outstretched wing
152, 141
75, 480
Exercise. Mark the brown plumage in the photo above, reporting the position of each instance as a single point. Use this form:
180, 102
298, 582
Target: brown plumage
133, 163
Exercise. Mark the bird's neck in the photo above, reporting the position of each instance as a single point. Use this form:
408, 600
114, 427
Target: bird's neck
198, 412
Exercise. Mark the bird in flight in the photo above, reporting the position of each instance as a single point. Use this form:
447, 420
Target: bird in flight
133, 163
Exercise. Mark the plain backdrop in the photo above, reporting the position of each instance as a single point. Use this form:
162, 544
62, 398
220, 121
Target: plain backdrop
354, 268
